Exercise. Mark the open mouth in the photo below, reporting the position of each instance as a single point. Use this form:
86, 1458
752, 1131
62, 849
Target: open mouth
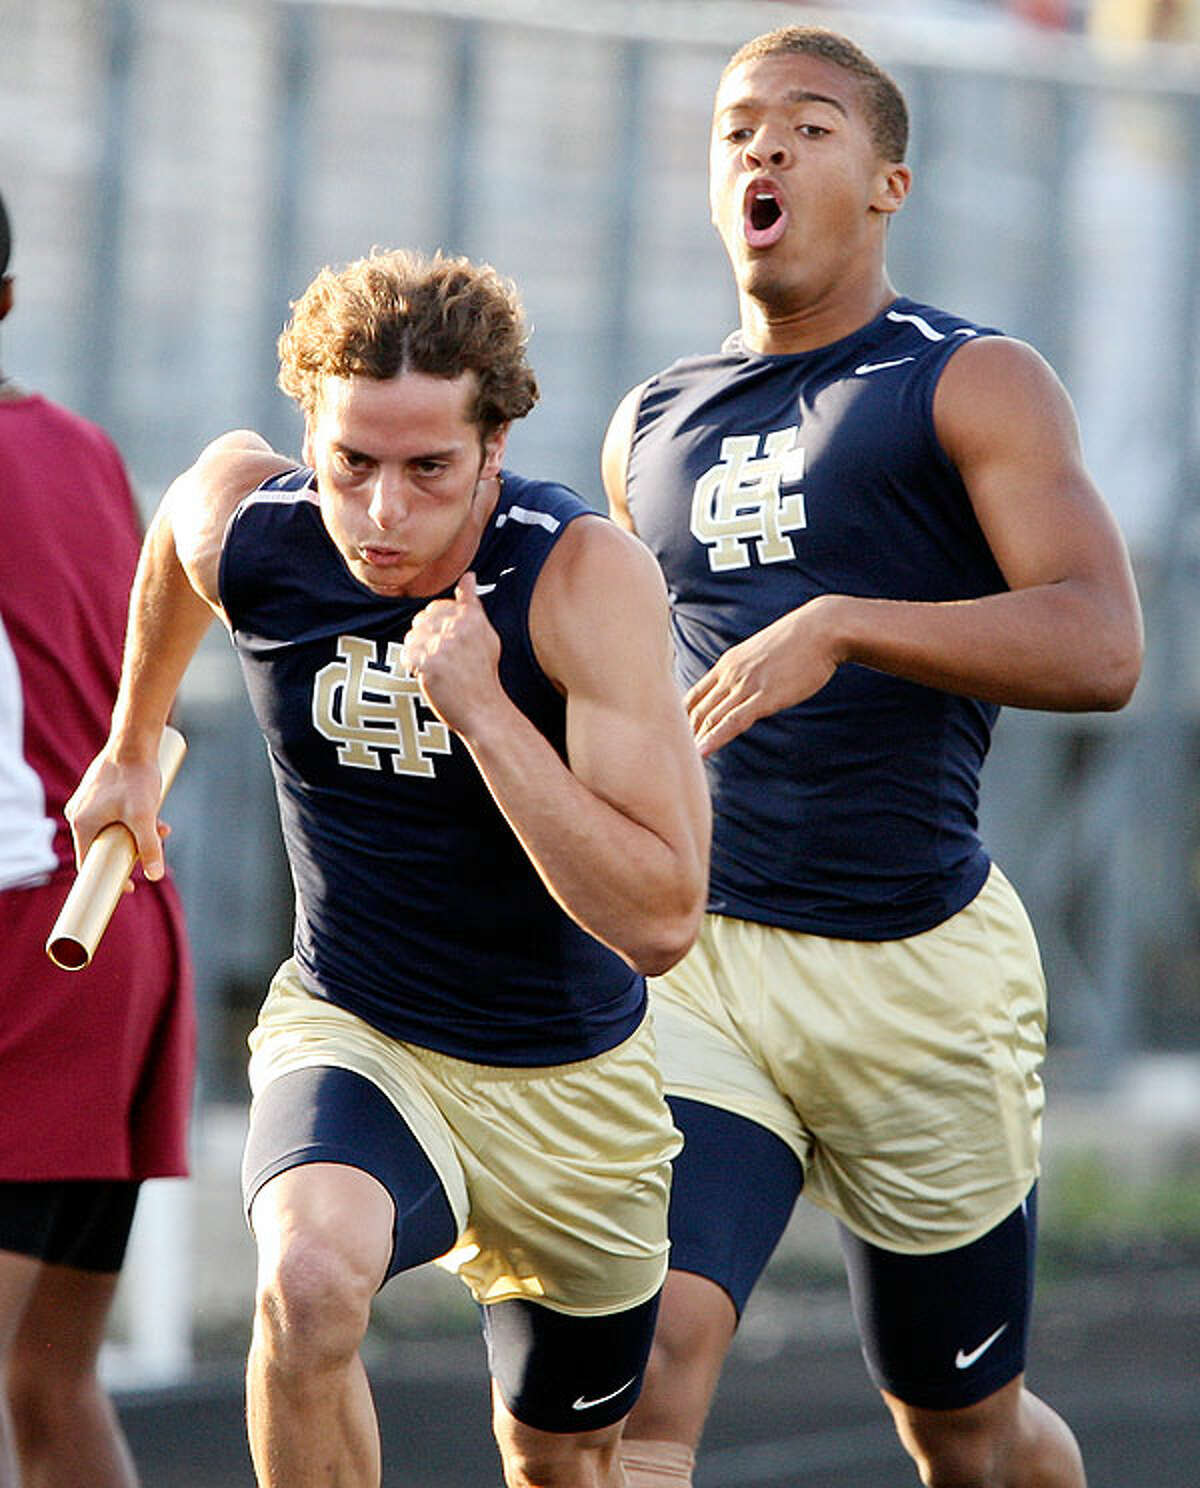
765, 211
764, 216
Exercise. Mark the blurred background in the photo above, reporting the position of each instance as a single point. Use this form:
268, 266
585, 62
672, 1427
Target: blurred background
177, 170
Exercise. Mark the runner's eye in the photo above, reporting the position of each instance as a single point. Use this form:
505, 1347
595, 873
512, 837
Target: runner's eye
350, 462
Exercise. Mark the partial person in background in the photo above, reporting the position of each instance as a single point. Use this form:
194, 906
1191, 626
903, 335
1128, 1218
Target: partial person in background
497, 821
876, 527
96, 1066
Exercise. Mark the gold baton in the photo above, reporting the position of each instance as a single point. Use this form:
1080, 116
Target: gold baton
101, 879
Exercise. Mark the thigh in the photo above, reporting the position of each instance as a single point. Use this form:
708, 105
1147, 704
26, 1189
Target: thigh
944, 1331
323, 1234
297, 1031
569, 1172
330, 1115
734, 1187
917, 1067
557, 1177
561, 1373
713, 1036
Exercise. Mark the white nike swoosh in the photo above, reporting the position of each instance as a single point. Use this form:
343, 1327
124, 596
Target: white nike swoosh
864, 367
582, 1404
964, 1361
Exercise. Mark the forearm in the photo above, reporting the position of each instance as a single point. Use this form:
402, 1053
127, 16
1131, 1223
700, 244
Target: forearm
1066, 646
638, 890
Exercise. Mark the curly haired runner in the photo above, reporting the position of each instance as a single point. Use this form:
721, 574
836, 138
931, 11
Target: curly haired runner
497, 821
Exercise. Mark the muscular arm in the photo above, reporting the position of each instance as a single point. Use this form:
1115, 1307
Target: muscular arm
172, 602
620, 837
1066, 635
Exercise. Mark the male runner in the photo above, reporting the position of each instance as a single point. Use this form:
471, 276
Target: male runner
876, 527
496, 819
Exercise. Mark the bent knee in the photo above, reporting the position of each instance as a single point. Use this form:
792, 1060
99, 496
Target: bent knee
539, 1459
696, 1319
312, 1301
953, 1465
969, 1448
45, 1406
696, 1323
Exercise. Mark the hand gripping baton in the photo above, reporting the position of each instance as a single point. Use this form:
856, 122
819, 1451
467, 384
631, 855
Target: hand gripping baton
100, 882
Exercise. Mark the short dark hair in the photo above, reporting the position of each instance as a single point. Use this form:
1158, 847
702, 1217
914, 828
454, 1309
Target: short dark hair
5, 239
887, 113
400, 311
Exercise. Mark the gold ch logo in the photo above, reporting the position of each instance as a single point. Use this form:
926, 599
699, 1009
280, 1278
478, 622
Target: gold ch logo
740, 500
368, 709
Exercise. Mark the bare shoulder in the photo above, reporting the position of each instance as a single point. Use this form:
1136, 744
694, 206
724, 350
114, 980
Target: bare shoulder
614, 454
595, 540
595, 559
228, 469
600, 587
200, 502
1006, 421
994, 387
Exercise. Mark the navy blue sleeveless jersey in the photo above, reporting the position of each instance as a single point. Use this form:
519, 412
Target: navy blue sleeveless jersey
416, 907
760, 482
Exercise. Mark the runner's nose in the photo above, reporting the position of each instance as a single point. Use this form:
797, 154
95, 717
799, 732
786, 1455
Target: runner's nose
767, 146
388, 504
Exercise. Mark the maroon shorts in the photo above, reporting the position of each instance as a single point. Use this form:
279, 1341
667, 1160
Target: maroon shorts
96, 1066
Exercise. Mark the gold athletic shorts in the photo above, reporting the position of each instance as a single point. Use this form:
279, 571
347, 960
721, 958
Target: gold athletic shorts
905, 1074
558, 1176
